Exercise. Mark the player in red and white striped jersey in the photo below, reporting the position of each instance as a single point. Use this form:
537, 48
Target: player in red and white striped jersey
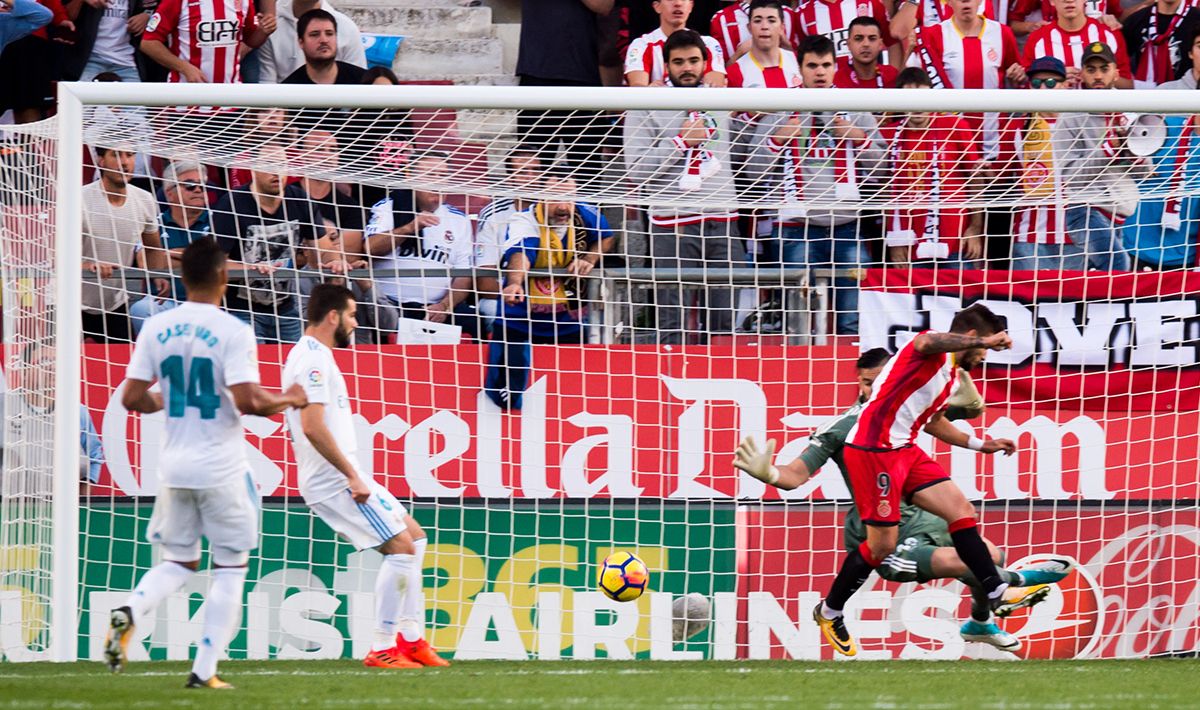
644, 64
1068, 37
886, 467
862, 69
832, 19
969, 51
933, 160
198, 40
731, 28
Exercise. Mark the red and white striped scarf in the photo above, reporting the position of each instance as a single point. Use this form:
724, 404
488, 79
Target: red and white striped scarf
808, 149
1156, 64
1173, 209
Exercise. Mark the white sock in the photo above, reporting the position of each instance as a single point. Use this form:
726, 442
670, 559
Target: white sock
830, 613
163, 580
412, 609
222, 615
390, 587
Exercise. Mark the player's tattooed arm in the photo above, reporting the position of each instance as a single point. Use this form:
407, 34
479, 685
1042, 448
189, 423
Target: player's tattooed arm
935, 343
137, 397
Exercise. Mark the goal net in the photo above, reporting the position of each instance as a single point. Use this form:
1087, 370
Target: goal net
573, 305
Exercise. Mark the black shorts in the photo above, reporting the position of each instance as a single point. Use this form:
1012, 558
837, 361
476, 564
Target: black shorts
28, 70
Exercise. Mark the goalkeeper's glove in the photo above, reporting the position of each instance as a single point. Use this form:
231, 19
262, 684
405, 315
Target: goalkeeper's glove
757, 463
967, 398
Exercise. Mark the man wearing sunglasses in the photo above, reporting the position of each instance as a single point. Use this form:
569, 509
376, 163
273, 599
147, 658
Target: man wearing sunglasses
1063, 160
185, 220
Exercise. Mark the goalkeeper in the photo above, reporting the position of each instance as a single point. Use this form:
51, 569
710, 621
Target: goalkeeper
925, 551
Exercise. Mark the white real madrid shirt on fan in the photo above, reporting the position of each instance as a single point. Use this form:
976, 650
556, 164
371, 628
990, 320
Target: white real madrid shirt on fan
448, 243
197, 352
325, 489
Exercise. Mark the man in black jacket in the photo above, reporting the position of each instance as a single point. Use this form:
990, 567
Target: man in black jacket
108, 34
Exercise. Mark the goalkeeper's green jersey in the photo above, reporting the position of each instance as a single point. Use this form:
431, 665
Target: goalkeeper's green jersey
827, 442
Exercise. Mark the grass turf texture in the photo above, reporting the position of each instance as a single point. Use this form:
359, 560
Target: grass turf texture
599, 685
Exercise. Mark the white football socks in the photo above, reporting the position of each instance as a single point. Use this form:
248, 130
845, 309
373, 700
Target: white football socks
829, 612
163, 580
412, 609
390, 587
222, 612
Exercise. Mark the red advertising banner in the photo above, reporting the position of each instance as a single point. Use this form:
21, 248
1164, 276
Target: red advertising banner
650, 422
1117, 343
1134, 593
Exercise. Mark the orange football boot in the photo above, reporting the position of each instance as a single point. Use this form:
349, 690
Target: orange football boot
390, 658
420, 652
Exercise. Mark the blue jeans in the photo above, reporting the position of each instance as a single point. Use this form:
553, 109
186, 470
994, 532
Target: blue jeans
141, 310
127, 72
282, 326
816, 247
1096, 245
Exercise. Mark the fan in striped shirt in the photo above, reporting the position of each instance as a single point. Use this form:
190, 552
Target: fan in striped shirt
198, 40
1067, 39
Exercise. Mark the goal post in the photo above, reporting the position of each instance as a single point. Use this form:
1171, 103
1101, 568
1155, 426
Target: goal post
528, 462
67, 378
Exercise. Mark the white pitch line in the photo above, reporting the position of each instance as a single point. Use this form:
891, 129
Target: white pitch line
598, 669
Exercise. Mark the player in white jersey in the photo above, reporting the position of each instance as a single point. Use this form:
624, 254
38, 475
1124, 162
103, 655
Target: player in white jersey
348, 500
206, 363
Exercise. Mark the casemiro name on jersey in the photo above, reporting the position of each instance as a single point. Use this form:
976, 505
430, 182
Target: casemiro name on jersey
183, 330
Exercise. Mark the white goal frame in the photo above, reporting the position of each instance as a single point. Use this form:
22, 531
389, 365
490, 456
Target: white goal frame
74, 97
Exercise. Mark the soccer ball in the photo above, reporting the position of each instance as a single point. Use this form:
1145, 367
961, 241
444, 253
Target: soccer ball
623, 576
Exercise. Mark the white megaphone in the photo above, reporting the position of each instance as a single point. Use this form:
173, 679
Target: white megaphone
1147, 133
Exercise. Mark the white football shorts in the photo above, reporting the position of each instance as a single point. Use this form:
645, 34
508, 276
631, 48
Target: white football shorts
365, 525
226, 515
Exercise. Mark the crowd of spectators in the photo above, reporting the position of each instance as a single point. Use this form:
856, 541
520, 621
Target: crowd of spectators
693, 167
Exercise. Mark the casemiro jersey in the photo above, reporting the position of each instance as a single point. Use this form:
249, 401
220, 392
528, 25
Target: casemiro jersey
197, 352
311, 365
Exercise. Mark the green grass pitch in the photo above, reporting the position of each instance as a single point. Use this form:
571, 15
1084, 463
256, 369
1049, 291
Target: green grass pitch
605, 685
